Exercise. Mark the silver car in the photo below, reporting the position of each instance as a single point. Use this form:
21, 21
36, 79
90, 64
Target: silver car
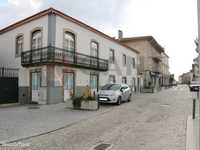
114, 93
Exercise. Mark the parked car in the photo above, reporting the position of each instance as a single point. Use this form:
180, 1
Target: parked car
114, 93
194, 86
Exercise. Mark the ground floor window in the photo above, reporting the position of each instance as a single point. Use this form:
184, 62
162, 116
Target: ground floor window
112, 79
124, 80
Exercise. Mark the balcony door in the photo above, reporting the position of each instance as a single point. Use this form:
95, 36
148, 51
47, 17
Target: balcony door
94, 52
69, 81
36, 43
35, 86
94, 81
69, 46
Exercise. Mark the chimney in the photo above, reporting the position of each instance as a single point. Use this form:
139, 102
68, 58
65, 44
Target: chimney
120, 34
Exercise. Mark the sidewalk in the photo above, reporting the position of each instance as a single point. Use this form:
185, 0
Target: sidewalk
192, 134
22, 122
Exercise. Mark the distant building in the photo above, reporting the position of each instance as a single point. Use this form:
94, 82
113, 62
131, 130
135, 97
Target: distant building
165, 70
186, 78
195, 70
153, 65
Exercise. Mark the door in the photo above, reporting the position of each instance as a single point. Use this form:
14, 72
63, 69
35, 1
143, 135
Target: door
133, 86
138, 85
94, 84
68, 85
35, 83
125, 93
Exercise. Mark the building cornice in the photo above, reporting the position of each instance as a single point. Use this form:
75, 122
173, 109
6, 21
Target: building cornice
62, 15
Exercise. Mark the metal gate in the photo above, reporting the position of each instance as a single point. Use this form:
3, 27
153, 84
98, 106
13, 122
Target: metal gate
8, 85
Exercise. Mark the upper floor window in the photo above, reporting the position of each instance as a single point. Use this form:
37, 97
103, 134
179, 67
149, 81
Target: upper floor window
69, 41
124, 59
133, 62
19, 45
112, 79
94, 49
124, 80
36, 39
112, 56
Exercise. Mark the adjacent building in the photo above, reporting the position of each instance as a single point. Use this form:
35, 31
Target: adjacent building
186, 78
58, 56
195, 70
165, 70
153, 68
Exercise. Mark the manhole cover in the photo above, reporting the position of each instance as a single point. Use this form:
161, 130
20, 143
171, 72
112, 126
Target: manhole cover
102, 146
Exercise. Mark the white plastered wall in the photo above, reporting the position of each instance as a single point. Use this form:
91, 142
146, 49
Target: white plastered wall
83, 39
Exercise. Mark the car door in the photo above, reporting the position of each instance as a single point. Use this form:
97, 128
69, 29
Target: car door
124, 91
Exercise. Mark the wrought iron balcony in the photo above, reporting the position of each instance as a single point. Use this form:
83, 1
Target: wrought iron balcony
53, 55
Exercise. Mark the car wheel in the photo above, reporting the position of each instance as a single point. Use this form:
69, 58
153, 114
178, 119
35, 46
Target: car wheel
119, 101
129, 98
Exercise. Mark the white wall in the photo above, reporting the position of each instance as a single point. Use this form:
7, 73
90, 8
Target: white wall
7, 46
83, 39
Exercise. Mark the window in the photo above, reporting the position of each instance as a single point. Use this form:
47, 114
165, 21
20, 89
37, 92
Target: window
69, 41
36, 39
124, 59
133, 62
112, 79
19, 45
124, 81
94, 49
112, 56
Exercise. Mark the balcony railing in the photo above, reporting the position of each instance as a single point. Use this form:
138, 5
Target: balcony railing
53, 55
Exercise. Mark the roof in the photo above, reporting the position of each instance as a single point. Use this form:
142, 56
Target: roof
166, 55
151, 39
69, 18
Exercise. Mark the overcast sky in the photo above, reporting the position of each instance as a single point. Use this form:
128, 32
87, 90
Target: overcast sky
172, 22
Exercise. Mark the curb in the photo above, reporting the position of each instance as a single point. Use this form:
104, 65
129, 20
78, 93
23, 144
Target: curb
9, 105
191, 135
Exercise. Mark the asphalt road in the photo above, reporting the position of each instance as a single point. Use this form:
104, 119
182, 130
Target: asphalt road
149, 122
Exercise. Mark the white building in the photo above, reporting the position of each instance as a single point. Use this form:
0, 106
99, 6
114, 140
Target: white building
58, 56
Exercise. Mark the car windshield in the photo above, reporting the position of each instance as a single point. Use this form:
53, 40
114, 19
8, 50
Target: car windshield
111, 87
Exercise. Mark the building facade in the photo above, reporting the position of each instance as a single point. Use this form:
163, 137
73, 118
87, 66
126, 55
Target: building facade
186, 78
58, 56
195, 70
165, 70
153, 62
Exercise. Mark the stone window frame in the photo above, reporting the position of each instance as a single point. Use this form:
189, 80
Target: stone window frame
70, 31
124, 59
112, 58
97, 43
31, 35
16, 47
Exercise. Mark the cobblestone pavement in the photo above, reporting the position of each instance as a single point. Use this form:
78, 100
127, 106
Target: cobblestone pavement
149, 122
